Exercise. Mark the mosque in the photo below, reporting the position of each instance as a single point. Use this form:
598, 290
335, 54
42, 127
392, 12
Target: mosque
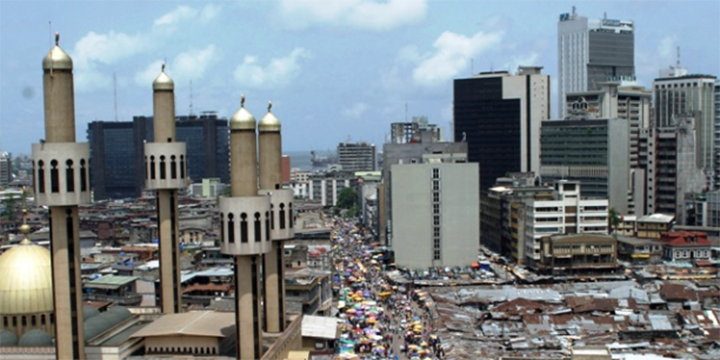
43, 315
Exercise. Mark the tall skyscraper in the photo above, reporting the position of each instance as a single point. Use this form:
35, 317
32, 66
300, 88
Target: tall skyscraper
359, 156
165, 171
689, 95
591, 51
116, 152
499, 116
61, 171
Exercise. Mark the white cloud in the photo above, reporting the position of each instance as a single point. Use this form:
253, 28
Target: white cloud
186, 13
95, 50
186, 66
521, 60
356, 111
452, 55
279, 72
648, 64
361, 14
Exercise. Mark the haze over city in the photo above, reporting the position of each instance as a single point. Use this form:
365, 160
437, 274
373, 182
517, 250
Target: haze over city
346, 68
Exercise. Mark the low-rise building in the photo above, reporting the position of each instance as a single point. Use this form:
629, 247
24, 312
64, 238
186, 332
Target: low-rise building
118, 289
685, 246
578, 253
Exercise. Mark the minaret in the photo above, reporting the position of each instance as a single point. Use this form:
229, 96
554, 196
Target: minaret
61, 171
281, 220
165, 171
245, 229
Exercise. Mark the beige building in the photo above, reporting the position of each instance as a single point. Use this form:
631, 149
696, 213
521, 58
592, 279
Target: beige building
435, 208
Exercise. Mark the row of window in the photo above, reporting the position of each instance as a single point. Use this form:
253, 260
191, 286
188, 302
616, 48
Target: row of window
35, 320
55, 176
151, 172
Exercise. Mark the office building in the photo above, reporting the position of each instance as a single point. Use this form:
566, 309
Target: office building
591, 254
615, 99
359, 156
499, 116
435, 213
325, 188
592, 51
424, 144
503, 214
565, 213
6, 176
594, 152
409, 132
117, 152
676, 177
688, 95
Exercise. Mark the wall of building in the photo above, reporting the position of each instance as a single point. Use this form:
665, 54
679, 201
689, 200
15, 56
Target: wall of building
415, 213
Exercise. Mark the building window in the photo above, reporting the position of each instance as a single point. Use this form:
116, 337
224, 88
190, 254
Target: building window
435, 173
436, 231
436, 185
436, 254
436, 209
436, 197
436, 220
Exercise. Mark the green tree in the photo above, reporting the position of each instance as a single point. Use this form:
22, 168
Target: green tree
10, 210
347, 199
613, 219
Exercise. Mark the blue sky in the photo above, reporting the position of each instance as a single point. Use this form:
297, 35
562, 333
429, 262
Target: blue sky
334, 70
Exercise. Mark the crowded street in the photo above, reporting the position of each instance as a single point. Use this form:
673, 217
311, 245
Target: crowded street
380, 319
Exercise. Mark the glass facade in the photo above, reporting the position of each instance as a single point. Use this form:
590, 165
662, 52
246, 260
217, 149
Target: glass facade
116, 152
490, 125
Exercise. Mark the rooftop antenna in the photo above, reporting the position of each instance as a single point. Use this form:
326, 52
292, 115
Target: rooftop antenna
573, 11
678, 57
191, 99
406, 112
115, 95
49, 34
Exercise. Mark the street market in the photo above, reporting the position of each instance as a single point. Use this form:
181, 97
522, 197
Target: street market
381, 320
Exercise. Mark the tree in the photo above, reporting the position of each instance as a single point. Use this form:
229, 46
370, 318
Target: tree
347, 199
614, 220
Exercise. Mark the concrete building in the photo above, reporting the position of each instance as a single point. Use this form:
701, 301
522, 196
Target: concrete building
359, 156
578, 254
594, 152
409, 132
690, 96
499, 117
676, 177
117, 152
503, 214
6, 176
614, 99
592, 51
326, 187
409, 153
435, 213
566, 213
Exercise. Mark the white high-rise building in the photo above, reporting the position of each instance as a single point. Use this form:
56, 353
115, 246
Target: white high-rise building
592, 51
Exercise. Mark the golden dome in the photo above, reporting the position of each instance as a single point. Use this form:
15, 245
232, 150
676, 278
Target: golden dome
26, 281
242, 120
57, 58
269, 122
163, 82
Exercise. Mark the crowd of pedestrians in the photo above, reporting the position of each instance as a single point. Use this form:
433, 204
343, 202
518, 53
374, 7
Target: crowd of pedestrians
380, 320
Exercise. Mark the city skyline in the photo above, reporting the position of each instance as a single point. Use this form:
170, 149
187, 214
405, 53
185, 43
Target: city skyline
351, 68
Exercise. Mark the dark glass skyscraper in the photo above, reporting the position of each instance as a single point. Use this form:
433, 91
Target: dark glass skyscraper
116, 152
499, 116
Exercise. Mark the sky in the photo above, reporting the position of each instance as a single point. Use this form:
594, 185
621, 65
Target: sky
340, 70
